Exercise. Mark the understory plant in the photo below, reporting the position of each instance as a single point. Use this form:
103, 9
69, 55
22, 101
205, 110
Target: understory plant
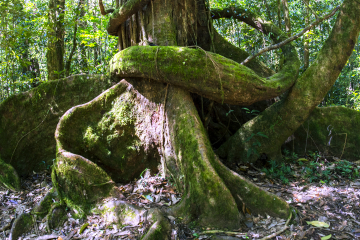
314, 168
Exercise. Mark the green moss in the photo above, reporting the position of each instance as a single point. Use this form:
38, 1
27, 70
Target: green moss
43, 208
80, 183
8, 176
30, 119
56, 216
205, 73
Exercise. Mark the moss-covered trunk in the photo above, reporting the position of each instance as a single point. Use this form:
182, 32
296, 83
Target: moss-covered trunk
28, 120
282, 119
89, 151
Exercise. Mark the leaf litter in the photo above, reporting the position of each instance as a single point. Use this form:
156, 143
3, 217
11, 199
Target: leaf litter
323, 211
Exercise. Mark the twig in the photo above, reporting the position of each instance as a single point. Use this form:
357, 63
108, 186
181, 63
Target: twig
329, 230
163, 134
6, 227
221, 231
281, 230
286, 41
102, 9
307, 136
311, 10
344, 144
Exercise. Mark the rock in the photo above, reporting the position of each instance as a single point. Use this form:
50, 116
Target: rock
22, 224
8, 176
56, 217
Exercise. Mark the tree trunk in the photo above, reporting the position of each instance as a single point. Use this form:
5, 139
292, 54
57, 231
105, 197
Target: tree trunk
306, 38
56, 32
212, 194
287, 17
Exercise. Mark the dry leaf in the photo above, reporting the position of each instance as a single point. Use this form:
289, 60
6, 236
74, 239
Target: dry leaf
318, 224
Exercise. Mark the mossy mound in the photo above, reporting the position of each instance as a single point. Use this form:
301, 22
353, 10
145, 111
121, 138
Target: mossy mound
8, 176
332, 131
29, 119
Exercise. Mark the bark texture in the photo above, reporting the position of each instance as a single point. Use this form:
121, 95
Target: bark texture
56, 33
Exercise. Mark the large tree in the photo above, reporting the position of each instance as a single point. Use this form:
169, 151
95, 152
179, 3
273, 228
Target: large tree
142, 120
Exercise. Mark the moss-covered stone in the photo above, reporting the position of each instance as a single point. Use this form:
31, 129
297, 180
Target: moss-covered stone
22, 224
8, 176
332, 131
121, 213
56, 216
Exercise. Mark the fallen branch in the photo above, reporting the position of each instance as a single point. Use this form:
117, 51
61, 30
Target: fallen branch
281, 230
278, 45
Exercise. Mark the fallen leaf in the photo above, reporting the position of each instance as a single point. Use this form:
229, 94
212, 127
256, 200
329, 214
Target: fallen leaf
326, 237
318, 224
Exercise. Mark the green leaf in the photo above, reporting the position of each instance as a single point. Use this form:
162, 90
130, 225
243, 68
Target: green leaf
249, 137
318, 224
326, 237
262, 135
302, 159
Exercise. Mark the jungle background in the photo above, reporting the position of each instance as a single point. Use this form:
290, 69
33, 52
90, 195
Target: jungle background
26, 31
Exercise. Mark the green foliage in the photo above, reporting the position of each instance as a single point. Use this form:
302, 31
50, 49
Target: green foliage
313, 169
255, 144
290, 156
24, 40
238, 33
280, 171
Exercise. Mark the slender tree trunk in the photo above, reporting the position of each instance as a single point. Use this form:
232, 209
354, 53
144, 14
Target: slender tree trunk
83, 48
287, 17
279, 14
306, 38
55, 51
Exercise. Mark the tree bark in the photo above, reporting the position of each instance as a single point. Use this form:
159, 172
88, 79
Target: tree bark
212, 194
287, 17
56, 32
306, 38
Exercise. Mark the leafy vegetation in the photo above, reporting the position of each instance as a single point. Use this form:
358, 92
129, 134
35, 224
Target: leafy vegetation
314, 168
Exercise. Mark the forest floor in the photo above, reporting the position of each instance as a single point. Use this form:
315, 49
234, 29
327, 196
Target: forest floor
327, 207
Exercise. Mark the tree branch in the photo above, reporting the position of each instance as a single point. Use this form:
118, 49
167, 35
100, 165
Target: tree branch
123, 13
220, 79
311, 10
275, 46
263, 26
68, 62
102, 9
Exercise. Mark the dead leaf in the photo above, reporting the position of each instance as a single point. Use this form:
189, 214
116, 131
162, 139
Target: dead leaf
318, 224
